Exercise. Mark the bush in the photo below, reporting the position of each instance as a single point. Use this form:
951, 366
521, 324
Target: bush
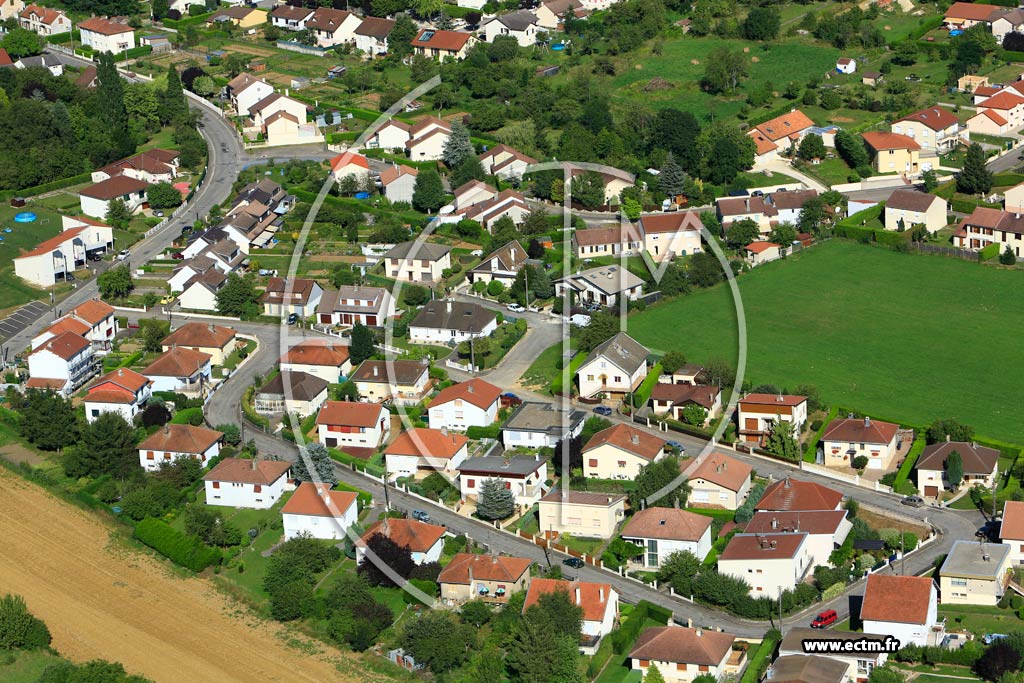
19, 629
183, 550
860, 462
489, 432
188, 416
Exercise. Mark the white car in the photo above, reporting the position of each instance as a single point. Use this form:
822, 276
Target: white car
516, 308
123, 254
533, 309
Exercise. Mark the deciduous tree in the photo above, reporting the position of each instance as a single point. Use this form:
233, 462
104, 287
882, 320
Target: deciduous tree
115, 283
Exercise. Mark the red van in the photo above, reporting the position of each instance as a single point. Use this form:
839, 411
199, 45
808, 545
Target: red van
825, 619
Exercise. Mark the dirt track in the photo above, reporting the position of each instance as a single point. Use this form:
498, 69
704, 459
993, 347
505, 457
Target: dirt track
103, 601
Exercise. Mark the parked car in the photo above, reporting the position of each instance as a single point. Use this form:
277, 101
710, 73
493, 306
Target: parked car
421, 516
533, 309
179, 256
676, 446
573, 562
825, 619
515, 308
510, 400
293, 318
169, 299
95, 256
603, 410
123, 254
913, 501
158, 214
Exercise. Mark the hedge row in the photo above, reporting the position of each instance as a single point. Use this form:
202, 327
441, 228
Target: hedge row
357, 463
191, 21
759, 660
902, 480
630, 628
811, 450
491, 431
926, 26
138, 51
61, 38
186, 551
990, 252
889, 238
48, 187
188, 416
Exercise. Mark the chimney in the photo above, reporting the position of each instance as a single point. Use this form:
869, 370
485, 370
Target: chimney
255, 462
775, 522
773, 542
375, 371
167, 428
947, 438
448, 305
699, 633
635, 439
849, 416
578, 601
210, 326
867, 422
494, 559
600, 593
974, 445
469, 388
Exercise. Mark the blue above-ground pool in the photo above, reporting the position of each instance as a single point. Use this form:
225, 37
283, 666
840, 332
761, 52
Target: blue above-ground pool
362, 195
955, 32
25, 217
8, 230
557, 47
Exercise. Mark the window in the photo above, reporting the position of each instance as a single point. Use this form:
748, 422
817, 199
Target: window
958, 582
150, 456
257, 488
703, 668
680, 667
645, 663
622, 463
593, 463
471, 483
216, 484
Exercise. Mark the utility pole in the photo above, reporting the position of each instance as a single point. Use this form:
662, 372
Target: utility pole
903, 555
526, 274
780, 611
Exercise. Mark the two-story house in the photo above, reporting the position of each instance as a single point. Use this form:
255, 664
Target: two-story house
321, 358
122, 391
757, 413
979, 467
671, 234
619, 452
987, 226
398, 182
524, 475
357, 428
975, 573
439, 44
505, 162
720, 482
174, 441
521, 25
672, 399
1011, 531
103, 35
420, 451
372, 36
604, 285
846, 439
581, 513
424, 541
290, 18
182, 370
599, 603
253, 483
502, 264
936, 129
417, 262
614, 368
663, 531
402, 382
795, 494
826, 529
217, 341
299, 296
333, 26
95, 199
893, 153
862, 663
245, 90
43, 20
906, 209
535, 424
770, 563
473, 403
612, 240
351, 304
905, 607
315, 510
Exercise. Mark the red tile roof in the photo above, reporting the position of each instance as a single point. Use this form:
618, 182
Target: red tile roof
811, 522
115, 187
177, 362
53, 243
1003, 101
784, 126
349, 159
254, 471
681, 645
970, 11
451, 41
350, 414
659, 223
678, 394
476, 391
200, 335
320, 352
763, 546
935, 118
794, 494
317, 500
897, 599
67, 345
593, 598
47, 383
176, 438
93, 311
1013, 521
5, 59
861, 430
666, 523
393, 173
484, 568
418, 537
883, 141
760, 247
720, 469
629, 439
425, 442
104, 26
123, 378
68, 324
995, 117
790, 400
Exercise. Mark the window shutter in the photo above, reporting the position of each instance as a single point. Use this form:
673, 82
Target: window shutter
216, 484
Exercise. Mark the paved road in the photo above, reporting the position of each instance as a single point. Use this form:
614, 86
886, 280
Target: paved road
783, 167
225, 156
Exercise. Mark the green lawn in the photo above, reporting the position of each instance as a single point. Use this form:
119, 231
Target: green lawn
682, 64
27, 666
581, 544
831, 171
980, 620
875, 330
23, 237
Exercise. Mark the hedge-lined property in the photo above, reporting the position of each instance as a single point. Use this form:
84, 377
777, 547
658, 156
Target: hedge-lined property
180, 549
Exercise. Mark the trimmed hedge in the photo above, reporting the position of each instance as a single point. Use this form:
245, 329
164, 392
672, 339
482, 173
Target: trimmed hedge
138, 51
185, 551
989, 252
191, 21
759, 660
357, 463
811, 450
47, 187
925, 27
902, 480
630, 628
492, 431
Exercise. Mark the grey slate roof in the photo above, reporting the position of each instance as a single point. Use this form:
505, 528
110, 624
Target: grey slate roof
427, 251
627, 353
534, 416
453, 315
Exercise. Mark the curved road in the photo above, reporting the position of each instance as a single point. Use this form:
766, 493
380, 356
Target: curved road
224, 407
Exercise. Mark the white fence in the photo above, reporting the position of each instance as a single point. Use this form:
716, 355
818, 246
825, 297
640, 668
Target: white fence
854, 479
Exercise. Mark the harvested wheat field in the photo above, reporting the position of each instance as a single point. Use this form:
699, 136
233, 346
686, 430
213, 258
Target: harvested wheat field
101, 600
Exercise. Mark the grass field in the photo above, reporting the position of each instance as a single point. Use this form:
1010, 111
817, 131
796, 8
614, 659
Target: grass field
980, 620
23, 236
887, 333
26, 667
682, 63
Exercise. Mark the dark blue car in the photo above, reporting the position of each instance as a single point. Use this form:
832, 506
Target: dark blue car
603, 410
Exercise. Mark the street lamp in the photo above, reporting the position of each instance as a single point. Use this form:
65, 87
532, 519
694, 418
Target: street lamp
53, 306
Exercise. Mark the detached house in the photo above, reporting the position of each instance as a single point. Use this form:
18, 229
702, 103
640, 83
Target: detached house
1011, 532
122, 391
417, 262
62, 364
174, 441
905, 607
963, 15
599, 603
290, 18
612, 240
439, 44
372, 36
906, 209
491, 578
581, 513
473, 403
794, 494
671, 399
975, 573
604, 285
424, 541
359, 429
300, 297
246, 90
770, 563
524, 475
935, 129
550, 14
757, 209
10, 9
398, 182
757, 413
779, 135
845, 439
508, 202
826, 529
321, 358
445, 321
719, 482
103, 35
402, 382
980, 467
521, 25
991, 226
94, 200
99, 317
295, 393
663, 531
426, 138
759, 253
505, 162
420, 451
619, 452
535, 425
502, 264
52, 260
681, 654
181, 370
333, 26
239, 483
893, 153
671, 234
44, 21
216, 341
370, 306
199, 292
350, 164
316, 510
861, 663
392, 135
810, 669
614, 368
